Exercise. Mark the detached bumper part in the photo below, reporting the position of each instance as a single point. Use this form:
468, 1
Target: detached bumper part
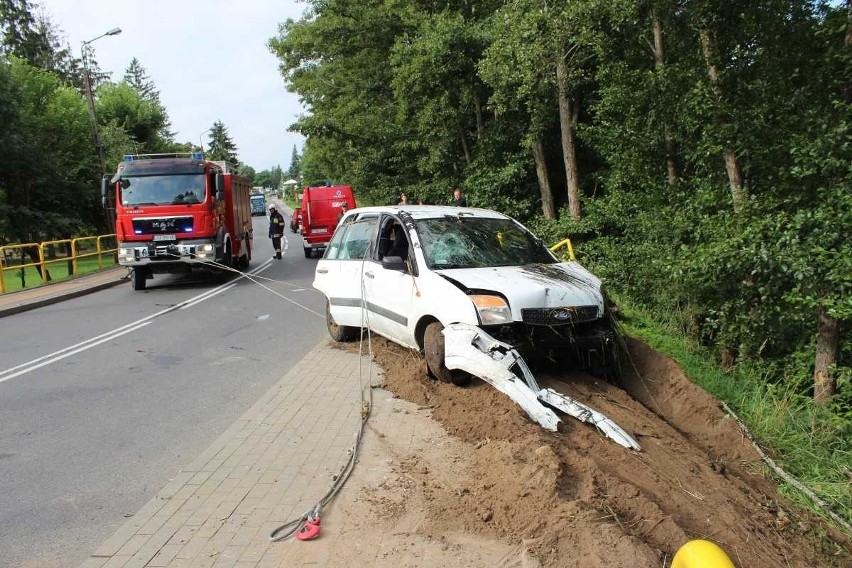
468, 348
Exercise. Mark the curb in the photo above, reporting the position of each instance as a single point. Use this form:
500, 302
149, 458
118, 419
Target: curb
59, 298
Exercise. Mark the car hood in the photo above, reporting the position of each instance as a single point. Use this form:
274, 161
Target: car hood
564, 284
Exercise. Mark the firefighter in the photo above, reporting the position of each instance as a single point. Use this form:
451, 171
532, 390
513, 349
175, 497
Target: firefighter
276, 230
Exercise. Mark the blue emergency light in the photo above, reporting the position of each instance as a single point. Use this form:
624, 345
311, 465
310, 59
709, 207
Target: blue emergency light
197, 156
128, 157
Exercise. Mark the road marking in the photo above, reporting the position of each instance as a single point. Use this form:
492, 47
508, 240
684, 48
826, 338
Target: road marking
44, 360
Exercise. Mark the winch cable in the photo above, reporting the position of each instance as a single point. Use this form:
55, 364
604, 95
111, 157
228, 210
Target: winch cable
310, 520
256, 280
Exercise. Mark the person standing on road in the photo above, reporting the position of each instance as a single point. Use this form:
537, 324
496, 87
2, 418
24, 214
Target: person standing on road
458, 198
403, 199
276, 230
343, 209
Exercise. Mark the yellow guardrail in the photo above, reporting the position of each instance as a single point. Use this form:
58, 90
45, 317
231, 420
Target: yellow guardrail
566, 243
66, 257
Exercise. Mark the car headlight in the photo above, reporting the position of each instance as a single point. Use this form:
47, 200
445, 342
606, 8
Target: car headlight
492, 310
125, 255
204, 251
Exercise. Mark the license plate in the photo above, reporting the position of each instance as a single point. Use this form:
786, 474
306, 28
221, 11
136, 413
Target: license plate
320, 230
164, 237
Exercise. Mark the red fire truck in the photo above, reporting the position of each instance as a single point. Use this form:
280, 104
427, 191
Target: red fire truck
178, 212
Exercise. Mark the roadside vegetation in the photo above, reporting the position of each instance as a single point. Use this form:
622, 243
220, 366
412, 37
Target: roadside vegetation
697, 153
51, 174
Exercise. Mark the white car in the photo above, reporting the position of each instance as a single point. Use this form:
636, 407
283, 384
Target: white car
406, 272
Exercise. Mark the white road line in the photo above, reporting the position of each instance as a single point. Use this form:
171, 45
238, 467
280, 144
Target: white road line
44, 360
53, 358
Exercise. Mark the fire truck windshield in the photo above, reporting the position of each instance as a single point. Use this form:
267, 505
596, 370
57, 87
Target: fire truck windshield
162, 190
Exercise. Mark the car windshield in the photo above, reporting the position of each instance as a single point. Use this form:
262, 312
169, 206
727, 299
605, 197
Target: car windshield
258, 199
162, 190
475, 242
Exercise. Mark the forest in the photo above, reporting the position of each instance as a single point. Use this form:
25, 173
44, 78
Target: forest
697, 152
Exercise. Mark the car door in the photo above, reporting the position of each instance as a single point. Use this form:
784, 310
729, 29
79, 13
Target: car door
389, 292
339, 273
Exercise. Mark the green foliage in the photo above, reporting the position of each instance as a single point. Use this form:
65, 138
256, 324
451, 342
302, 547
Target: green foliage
221, 146
48, 159
812, 443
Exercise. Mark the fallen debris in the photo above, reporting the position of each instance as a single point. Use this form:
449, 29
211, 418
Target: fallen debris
469, 348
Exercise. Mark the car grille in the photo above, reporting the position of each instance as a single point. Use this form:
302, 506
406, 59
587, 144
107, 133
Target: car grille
163, 225
560, 315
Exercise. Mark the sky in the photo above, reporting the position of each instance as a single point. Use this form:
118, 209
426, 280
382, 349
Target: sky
208, 60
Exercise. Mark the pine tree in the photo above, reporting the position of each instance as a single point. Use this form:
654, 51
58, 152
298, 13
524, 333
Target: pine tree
295, 164
137, 77
221, 146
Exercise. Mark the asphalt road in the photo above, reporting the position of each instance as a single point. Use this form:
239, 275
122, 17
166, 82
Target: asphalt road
104, 397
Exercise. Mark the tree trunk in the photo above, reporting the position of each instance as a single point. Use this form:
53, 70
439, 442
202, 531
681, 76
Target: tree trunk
732, 166
567, 119
547, 205
480, 123
659, 61
828, 337
465, 148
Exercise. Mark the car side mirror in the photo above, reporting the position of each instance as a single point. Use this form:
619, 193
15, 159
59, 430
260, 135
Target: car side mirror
394, 263
220, 187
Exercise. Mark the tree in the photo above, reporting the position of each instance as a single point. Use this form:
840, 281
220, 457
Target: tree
295, 169
247, 172
48, 162
142, 119
220, 145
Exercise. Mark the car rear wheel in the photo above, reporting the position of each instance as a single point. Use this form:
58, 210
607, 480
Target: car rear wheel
340, 333
308, 252
433, 349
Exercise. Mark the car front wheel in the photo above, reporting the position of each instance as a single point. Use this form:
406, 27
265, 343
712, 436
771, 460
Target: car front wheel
433, 349
340, 333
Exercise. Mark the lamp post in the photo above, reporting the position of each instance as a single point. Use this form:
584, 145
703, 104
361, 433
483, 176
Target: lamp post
85, 52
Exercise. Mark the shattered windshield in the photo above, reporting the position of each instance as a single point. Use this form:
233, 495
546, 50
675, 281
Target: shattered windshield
162, 190
475, 242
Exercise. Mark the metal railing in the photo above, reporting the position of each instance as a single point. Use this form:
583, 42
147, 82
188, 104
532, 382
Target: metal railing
31, 263
566, 243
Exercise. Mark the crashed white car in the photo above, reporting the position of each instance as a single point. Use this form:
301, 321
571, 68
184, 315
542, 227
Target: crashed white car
407, 272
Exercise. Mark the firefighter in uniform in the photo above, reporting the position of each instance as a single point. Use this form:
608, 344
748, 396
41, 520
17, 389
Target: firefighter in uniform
276, 230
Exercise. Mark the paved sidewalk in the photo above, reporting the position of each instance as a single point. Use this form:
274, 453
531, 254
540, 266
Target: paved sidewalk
271, 466
30, 298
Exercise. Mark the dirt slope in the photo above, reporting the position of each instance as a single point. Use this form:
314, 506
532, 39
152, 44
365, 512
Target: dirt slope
575, 498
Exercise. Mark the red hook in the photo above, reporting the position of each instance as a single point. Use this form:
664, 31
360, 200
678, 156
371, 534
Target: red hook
311, 530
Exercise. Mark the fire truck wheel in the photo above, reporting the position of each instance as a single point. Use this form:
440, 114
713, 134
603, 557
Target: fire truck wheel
227, 257
340, 333
140, 276
433, 349
308, 252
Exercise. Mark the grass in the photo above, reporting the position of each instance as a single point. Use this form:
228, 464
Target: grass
808, 441
58, 270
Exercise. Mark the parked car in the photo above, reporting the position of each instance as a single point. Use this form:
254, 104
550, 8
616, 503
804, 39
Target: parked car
406, 272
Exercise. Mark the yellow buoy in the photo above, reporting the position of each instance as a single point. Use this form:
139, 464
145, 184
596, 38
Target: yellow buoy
701, 554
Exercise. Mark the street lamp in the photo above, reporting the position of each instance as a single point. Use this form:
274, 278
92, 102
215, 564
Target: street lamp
87, 86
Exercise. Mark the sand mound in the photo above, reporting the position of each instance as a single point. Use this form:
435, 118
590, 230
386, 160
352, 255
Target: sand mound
577, 499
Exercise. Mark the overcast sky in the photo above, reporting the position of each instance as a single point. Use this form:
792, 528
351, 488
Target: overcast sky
208, 59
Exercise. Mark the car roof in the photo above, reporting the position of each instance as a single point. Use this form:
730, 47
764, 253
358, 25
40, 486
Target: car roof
431, 211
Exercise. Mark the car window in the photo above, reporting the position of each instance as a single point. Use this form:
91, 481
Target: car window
352, 240
473, 242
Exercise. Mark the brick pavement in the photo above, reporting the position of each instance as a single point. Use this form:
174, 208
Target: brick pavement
270, 466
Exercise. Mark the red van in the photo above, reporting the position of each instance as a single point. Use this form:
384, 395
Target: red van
321, 208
